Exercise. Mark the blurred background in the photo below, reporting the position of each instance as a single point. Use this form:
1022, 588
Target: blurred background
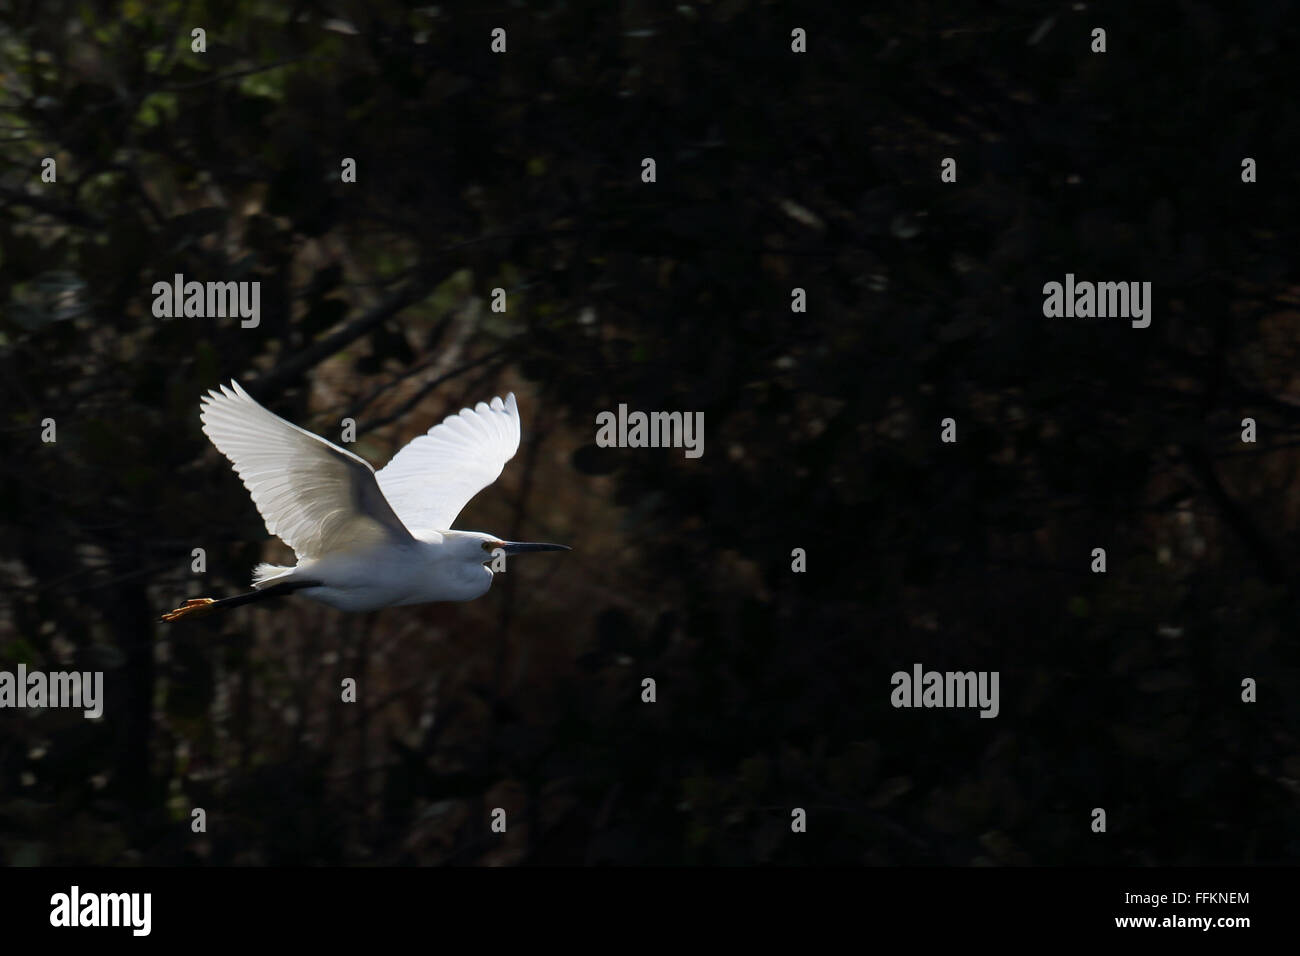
775, 170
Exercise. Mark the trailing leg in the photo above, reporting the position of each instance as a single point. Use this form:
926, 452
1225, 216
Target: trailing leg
196, 607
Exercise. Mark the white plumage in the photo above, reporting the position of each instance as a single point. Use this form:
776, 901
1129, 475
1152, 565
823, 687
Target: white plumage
313, 495
363, 539
431, 480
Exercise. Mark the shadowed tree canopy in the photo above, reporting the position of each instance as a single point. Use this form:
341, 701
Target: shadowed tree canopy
775, 171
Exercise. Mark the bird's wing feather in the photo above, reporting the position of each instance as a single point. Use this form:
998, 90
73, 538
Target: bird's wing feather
313, 495
430, 480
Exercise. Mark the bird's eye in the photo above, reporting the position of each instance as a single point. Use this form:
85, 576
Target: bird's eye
487, 546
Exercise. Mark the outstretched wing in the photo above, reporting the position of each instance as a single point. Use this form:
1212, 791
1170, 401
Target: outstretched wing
430, 480
313, 495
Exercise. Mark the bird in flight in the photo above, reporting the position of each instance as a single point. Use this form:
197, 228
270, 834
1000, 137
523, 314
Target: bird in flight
365, 539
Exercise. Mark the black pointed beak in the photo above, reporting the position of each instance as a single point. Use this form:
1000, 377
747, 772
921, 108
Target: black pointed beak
523, 547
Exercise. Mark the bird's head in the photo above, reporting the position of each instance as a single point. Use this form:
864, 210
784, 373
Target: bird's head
483, 548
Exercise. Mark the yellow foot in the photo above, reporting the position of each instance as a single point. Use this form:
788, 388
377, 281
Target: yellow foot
192, 606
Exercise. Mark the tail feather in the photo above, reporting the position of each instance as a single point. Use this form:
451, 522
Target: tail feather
264, 574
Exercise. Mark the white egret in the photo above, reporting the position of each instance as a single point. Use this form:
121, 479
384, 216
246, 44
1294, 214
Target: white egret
366, 539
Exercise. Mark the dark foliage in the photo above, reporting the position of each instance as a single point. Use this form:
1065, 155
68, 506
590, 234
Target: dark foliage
774, 170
